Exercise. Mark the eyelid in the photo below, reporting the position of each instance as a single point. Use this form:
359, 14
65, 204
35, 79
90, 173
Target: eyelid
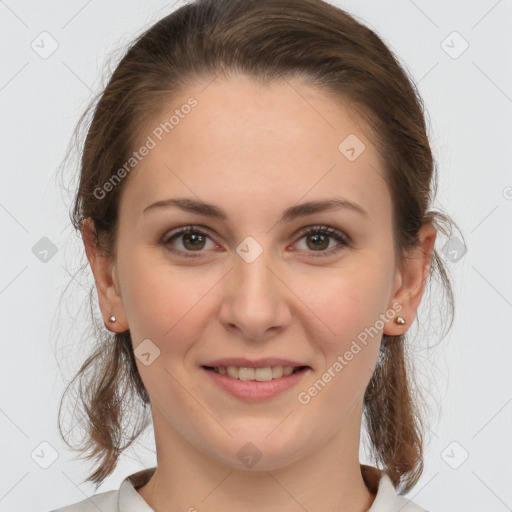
193, 228
322, 228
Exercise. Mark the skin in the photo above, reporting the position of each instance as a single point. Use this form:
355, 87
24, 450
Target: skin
254, 151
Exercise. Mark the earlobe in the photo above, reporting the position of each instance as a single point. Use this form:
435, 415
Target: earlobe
103, 269
412, 279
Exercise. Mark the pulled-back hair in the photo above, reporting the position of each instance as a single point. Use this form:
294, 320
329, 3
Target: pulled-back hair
266, 40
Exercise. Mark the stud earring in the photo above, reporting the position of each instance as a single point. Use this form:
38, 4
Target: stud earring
112, 319
400, 320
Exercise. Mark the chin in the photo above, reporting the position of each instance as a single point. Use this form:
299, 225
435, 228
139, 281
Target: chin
260, 454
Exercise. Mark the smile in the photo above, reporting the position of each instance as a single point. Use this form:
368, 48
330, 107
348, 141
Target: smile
255, 384
259, 374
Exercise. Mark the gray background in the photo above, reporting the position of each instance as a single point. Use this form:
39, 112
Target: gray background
467, 375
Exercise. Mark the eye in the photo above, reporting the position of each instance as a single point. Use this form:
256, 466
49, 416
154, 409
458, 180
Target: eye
194, 240
319, 237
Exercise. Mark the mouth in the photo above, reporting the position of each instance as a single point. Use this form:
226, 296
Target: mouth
262, 374
255, 383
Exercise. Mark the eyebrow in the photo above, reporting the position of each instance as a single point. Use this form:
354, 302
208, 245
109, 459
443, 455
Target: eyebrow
301, 210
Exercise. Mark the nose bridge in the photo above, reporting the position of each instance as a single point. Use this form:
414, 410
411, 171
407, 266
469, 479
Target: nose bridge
253, 299
254, 276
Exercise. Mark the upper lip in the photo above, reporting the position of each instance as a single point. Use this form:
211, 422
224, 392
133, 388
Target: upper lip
243, 362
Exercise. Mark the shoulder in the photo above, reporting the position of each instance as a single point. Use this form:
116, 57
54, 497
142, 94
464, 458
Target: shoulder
125, 499
105, 501
406, 505
386, 497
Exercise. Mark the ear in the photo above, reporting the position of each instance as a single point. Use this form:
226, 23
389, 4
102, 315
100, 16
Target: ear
410, 281
105, 276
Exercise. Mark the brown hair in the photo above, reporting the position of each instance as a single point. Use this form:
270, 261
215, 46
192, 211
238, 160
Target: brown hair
266, 40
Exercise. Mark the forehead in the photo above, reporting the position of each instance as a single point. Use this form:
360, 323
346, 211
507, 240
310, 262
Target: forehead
253, 146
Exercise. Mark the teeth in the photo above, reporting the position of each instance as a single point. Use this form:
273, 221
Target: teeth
259, 374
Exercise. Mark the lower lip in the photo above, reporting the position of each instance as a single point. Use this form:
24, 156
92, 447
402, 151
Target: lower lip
253, 390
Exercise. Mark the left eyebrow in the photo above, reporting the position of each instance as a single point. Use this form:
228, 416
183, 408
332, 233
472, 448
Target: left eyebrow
301, 210
312, 207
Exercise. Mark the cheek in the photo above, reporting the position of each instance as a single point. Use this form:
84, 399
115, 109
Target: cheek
352, 299
163, 304
155, 296
349, 347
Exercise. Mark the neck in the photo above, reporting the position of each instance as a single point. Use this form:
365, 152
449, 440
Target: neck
330, 478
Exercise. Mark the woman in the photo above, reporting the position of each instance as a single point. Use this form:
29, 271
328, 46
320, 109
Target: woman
254, 204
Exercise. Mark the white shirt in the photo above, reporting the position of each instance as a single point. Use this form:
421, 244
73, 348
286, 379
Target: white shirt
127, 499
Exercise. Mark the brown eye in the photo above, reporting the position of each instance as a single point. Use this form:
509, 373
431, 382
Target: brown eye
318, 239
191, 239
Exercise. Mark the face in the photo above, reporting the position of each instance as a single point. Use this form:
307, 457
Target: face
303, 288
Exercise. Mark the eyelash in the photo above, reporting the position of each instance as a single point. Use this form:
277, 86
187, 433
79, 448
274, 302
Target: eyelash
339, 236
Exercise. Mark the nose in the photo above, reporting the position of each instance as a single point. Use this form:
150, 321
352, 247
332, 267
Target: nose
255, 301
